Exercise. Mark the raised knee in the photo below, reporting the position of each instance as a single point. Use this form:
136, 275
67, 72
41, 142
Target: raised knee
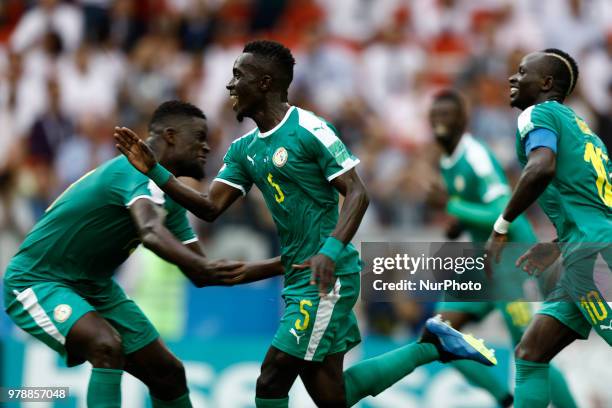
265, 384
268, 383
526, 351
106, 351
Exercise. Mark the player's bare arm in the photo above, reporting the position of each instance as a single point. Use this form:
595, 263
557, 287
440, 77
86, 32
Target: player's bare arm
537, 174
204, 206
356, 202
251, 271
156, 237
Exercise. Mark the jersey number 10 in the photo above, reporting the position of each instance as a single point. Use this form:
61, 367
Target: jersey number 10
596, 157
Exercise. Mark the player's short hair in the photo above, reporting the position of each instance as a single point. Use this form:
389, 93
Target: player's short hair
450, 95
174, 108
563, 68
276, 53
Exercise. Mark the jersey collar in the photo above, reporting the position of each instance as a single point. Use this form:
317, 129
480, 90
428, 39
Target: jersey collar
447, 162
280, 124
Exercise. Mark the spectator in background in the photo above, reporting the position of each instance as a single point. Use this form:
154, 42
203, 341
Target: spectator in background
90, 82
326, 71
127, 25
16, 218
597, 67
50, 130
54, 15
90, 146
198, 26
357, 21
604, 122
572, 25
388, 66
96, 17
22, 94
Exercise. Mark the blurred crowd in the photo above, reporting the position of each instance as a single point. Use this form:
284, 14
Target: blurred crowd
71, 70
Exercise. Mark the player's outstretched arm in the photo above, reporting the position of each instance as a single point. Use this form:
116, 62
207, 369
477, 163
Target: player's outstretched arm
156, 237
251, 271
355, 204
205, 206
259, 270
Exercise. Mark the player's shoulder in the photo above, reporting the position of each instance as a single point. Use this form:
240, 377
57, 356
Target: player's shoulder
120, 175
244, 140
313, 127
543, 114
120, 166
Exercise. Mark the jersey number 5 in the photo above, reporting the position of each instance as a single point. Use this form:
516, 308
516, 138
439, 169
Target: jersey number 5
279, 196
596, 157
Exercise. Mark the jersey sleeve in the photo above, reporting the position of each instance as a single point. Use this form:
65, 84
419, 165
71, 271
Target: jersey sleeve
541, 137
131, 186
179, 225
536, 117
233, 172
323, 145
491, 184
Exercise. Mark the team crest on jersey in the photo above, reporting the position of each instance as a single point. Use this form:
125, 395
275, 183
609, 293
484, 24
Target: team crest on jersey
459, 183
62, 312
280, 157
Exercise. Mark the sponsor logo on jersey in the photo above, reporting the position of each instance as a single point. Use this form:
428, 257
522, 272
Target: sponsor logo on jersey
280, 157
62, 312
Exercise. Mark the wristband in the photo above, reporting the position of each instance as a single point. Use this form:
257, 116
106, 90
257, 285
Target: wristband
159, 174
332, 248
501, 225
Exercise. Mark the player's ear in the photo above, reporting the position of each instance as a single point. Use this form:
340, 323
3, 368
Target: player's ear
169, 135
265, 83
547, 83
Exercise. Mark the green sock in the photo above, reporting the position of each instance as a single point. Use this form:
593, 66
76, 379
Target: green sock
560, 394
482, 377
272, 403
104, 389
532, 385
372, 376
181, 402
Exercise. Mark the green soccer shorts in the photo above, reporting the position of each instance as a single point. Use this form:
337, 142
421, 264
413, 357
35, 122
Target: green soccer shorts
48, 310
577, 301
517, 315
313, 327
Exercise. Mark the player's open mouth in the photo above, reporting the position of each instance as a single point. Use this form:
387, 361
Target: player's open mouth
234, 99
513, 91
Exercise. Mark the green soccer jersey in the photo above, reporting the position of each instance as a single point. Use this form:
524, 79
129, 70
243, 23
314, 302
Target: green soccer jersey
88, 231
478, 191
293, 164
578, 199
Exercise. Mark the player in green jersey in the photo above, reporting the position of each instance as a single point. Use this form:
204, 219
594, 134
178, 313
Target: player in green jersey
566, 168
59, 286
300, 165
475, 192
